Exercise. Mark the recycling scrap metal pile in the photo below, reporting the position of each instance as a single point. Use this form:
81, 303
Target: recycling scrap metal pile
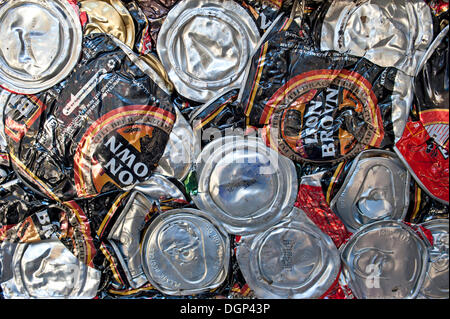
224, 149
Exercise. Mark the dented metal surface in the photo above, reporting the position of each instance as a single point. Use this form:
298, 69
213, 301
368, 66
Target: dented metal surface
41, 44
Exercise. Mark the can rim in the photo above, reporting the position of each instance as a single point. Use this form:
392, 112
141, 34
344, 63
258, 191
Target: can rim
71, 55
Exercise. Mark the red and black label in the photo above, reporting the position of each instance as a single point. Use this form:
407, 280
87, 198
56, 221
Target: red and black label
104, 128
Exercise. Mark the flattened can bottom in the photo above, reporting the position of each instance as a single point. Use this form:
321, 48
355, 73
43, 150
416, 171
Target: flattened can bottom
185, 252
293, 259
41, 44
385, 260
436, 282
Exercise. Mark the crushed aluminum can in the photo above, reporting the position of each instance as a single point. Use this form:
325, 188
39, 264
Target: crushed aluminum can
41, 44
180, 152
156, 12
321, 107
264, 12
424, 144
388, 33
376, 188
109, 16
385, 260
185, 252
436, 280
47, 269
221, 116
247, 186
293, 259
125, 233
425, 160
4, 95
205, 46
104, 128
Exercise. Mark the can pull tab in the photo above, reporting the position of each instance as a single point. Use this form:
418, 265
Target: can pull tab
423, 233
373, 206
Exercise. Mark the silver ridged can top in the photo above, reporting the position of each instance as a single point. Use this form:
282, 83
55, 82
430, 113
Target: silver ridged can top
244, 184
386, 32
185, 252
205, 46
385, 260
41, 44
376, 188
293, 259
47, 269
436, 280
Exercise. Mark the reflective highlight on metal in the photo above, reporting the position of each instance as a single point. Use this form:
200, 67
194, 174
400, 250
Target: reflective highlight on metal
402, 98
293, 259
125, 234
387, 33
205, 46
41, 44
244, 184
375, 188
4, 97
185, 252
436, 280
385, 260
47, 269
180, 152
109, 16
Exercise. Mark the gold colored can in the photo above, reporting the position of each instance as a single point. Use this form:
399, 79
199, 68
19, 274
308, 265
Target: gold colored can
109, 16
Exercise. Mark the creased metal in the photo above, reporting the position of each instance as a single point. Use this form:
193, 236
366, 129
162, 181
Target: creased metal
293, 259
180, 152
388, 33
125, 234
109, 16
245, 184
385, 260
185, 252
47, 269
205, 46
41, 44
436, 280
376, 188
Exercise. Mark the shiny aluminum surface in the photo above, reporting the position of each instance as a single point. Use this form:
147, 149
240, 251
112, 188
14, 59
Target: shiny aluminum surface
385, 260
153, 69
125, 234
41, 43
180, 152
205, 46
243, 183
185, 252
436, 281
386, 32
4, 96
109, 16
293, 259
47, 269
375, 188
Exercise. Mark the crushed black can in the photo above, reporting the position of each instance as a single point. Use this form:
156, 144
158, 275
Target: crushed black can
104, 128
